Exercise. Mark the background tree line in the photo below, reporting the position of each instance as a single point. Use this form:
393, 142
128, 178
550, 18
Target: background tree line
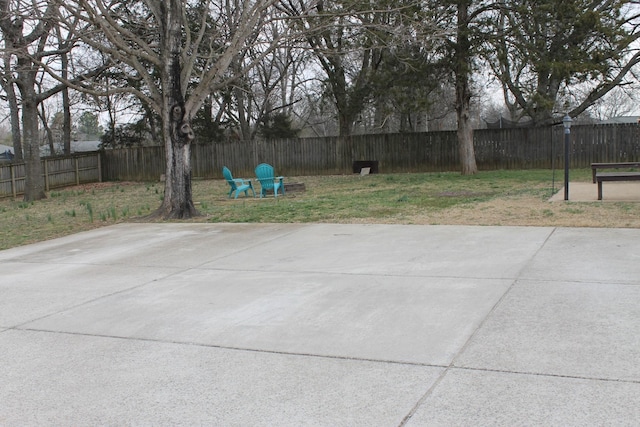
172, 72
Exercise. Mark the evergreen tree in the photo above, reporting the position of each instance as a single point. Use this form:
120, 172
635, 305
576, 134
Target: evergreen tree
556, 57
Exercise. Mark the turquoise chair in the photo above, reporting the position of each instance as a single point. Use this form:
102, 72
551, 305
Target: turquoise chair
238, 185
268, 180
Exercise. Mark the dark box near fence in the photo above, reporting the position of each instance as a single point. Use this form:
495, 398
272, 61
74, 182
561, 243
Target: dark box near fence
371, 164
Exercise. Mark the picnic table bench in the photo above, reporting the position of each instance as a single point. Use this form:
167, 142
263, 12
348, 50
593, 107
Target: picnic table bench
619, 165
615, 176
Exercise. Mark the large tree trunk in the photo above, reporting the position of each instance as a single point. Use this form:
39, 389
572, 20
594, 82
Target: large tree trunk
9, 31
177, 132
26, 83
14, 114
66, 107
244, 130
243, 103
463, 91
345, 124
465, 133
338, 83
47, 130
34, 184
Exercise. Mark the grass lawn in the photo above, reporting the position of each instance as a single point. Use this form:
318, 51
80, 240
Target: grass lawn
488, 198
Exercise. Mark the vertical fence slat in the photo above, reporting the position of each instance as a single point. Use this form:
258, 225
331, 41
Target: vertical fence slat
14, 189
58, 172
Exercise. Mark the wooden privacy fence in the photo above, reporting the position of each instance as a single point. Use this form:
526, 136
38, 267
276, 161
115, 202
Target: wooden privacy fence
58, 172
516, 148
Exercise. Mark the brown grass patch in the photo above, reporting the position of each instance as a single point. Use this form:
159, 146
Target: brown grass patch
514, 198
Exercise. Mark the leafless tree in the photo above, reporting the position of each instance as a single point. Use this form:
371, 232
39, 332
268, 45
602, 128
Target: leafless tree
182, 52
27, 29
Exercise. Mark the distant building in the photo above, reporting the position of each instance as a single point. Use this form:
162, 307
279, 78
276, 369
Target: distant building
621, 120
504, 123
6, 153
76, 147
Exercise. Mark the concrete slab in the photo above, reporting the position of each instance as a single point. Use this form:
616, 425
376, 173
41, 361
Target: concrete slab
330, 315
480, 398
161, 245
586, 330
321, 324
593, 255
30, 291
87, 380
490, 252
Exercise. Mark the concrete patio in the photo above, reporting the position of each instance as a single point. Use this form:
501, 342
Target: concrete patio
611, 192
322, 325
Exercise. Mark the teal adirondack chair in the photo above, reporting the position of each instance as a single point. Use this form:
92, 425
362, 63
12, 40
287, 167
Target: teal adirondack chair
238, 185
268, 180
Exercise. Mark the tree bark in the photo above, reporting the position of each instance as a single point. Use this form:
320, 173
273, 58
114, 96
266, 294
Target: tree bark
177, 132
463, 91
26, 82
14, 114
11, 33
47, 130
66, 107
34, 184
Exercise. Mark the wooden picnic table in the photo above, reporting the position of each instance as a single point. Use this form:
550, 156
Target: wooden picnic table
618, 165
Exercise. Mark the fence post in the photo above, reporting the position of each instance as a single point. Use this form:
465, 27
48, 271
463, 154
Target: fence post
46, 175
77, 172
14, 190
99, 167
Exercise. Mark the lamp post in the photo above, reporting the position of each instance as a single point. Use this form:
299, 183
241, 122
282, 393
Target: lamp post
566, 122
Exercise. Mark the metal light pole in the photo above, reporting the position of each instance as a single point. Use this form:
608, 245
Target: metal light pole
566, 122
